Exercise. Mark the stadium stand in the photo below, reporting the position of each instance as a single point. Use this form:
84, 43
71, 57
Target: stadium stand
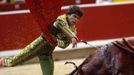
8, 5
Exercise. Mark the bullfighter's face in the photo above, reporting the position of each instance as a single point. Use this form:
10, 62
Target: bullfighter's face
73, 19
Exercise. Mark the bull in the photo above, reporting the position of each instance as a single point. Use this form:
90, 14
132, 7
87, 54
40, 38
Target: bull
115, 58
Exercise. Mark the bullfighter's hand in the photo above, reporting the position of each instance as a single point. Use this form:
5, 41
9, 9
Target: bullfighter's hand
74, 42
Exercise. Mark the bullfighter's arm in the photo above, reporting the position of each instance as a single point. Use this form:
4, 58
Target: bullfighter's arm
61, 26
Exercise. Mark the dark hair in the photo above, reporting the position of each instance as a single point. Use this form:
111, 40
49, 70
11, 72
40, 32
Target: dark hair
75, 10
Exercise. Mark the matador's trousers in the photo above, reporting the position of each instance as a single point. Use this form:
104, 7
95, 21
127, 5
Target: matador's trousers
39, 47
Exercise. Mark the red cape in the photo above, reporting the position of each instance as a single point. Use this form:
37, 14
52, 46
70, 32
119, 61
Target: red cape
45, 13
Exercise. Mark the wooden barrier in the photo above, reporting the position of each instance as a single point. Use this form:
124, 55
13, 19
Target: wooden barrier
98, 22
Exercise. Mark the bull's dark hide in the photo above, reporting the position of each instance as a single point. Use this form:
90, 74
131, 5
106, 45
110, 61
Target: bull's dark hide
116, 58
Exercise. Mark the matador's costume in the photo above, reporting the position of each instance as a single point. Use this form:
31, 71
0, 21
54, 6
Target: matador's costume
60, 34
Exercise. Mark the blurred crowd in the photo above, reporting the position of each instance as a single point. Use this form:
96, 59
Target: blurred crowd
112, 1
76, 1
10, 1
71, 1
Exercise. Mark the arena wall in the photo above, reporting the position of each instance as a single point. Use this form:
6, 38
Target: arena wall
18, 28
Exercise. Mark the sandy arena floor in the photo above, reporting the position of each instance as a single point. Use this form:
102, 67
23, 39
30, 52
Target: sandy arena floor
34, 69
